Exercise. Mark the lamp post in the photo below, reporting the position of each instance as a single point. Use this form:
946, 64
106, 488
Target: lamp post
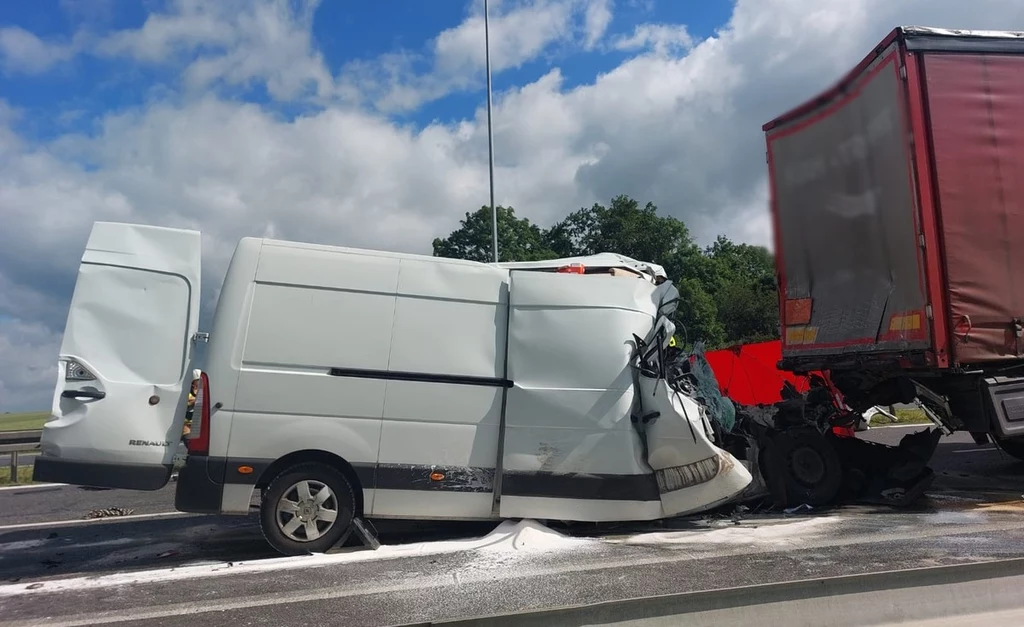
490, 136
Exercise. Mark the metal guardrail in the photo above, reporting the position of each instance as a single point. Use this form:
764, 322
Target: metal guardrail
17, 442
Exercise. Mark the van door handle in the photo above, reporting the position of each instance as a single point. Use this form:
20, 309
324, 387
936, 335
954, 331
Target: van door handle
96, 394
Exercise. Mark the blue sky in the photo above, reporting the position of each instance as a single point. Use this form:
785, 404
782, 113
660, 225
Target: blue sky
73, 96
362, 123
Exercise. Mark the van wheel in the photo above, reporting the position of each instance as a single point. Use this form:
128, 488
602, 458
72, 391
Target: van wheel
1013, 447
308, 508
807, 464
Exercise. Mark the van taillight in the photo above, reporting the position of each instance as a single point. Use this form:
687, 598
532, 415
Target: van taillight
198, 440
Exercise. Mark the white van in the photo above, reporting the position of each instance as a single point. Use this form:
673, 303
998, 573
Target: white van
349, 383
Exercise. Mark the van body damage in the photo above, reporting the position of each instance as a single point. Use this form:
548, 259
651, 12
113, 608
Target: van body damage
448, 389
119, 403
798, 434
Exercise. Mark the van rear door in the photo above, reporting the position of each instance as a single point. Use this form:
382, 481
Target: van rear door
125, 361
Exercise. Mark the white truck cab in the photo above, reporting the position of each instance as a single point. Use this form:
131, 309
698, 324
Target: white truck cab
343, 383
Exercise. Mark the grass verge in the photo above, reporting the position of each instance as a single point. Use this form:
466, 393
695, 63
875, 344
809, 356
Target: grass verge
26, 421
903, 417
24, 475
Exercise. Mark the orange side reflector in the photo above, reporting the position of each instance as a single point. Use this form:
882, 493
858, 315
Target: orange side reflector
245, 470
798, 311
437, 476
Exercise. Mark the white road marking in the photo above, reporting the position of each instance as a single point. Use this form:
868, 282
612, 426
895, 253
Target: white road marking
986, 449
31, 486
917, 425
86, 521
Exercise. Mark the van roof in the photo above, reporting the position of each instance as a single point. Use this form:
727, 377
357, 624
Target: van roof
601, 260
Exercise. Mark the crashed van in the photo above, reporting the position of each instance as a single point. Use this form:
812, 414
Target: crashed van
341, 384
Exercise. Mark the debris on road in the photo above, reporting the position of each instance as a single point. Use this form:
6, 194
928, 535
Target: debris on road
799, 508
110, 512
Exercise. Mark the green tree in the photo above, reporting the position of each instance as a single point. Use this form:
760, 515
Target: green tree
697, 315
727, 291
623, 227
518, 238
744, 290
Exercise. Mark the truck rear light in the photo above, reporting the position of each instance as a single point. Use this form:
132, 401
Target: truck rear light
198, 440
74, 371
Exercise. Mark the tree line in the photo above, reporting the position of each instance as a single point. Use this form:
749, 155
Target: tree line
728, 292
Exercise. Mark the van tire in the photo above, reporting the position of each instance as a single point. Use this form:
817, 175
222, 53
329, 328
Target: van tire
807, 465
287, 490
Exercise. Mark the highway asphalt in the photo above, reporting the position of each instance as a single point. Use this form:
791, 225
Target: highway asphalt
156, 566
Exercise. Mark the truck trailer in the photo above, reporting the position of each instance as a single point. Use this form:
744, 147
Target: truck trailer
898, 204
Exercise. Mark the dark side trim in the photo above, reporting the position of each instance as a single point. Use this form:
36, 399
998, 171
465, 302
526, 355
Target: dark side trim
101, 474
963, 44
422, 377
416, 477
598, 487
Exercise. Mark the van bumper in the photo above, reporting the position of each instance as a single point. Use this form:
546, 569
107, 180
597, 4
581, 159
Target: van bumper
200, 485
99, 474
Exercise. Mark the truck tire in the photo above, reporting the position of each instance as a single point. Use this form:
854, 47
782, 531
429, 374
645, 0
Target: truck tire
808, 465
307, 508
1013, 447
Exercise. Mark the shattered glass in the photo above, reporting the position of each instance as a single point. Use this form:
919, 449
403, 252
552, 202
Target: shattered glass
719, 408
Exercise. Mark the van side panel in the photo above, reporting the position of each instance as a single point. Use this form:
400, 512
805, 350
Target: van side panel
227, 338
450, 319
314, 312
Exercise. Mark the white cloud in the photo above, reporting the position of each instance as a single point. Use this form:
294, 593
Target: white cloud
237, 43
596, 21
28, 364
21, 52
680, 127
662, 38
519, 32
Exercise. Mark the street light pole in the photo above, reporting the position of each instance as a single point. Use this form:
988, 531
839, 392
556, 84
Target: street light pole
490, 135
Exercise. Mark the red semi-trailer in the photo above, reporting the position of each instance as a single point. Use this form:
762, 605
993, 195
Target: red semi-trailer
898, 202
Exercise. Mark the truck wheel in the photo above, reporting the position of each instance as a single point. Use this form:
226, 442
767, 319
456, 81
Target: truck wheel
808, 465
308, 508
1013, 447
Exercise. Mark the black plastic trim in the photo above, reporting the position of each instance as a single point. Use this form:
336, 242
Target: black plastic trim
93, 394
422, 377
101, 474
225, 469
598, 487
963, 44
416, 477
198, 490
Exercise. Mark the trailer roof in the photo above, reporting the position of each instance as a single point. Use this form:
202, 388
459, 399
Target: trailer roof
915, 39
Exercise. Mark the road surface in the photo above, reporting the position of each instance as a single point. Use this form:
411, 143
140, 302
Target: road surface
156, 566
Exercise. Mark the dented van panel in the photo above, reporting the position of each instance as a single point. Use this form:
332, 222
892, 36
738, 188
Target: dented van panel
119, 402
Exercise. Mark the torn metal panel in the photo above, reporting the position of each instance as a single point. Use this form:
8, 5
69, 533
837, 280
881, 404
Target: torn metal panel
602, 261
569, 412
693, 473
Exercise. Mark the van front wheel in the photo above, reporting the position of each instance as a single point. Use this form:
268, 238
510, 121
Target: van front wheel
308, 508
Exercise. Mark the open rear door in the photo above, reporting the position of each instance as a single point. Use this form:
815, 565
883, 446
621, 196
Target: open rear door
125, 361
